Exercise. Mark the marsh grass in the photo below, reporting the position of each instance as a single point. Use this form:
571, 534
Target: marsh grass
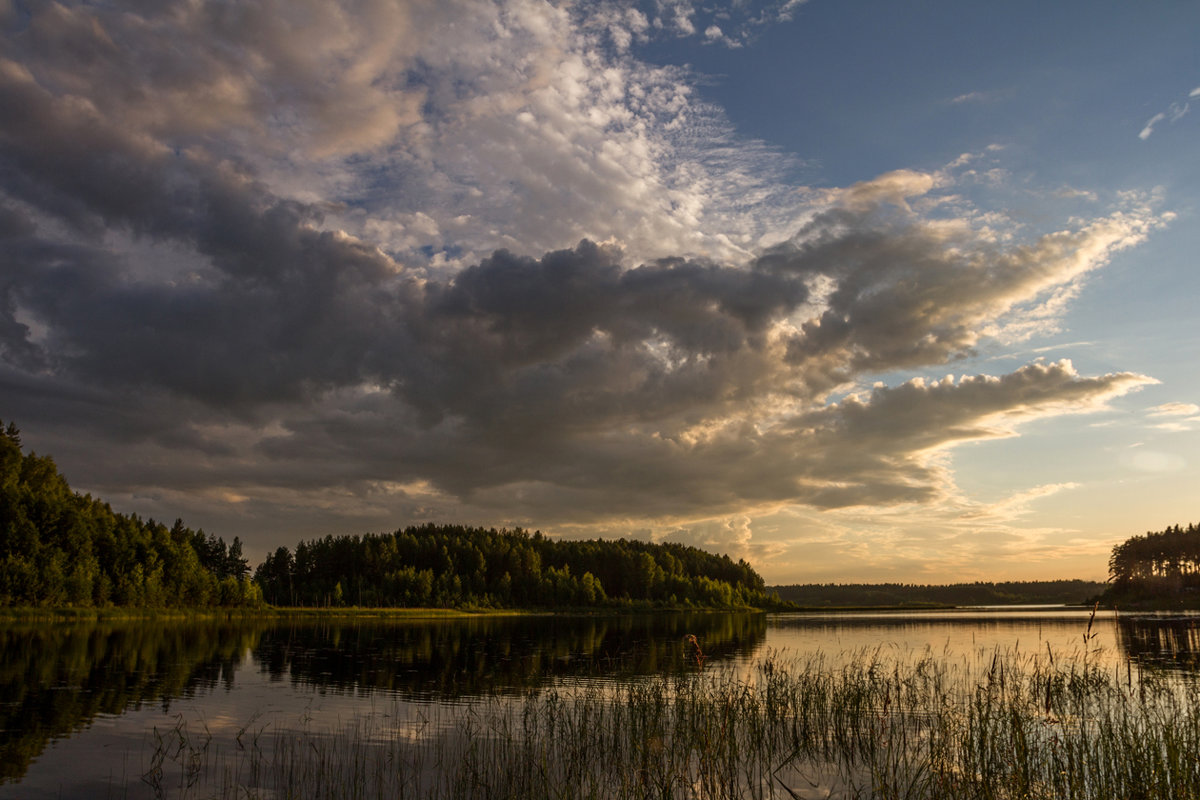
879, 724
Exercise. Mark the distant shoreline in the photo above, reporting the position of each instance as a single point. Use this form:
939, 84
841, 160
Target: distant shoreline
17, 615
908, 595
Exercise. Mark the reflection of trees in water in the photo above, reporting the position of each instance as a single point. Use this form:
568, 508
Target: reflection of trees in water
1170, 642
496, 654
55, 679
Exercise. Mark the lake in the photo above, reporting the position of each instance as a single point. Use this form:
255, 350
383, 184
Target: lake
84, 707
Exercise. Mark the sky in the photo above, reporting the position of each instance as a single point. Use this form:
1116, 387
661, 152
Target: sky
859, 291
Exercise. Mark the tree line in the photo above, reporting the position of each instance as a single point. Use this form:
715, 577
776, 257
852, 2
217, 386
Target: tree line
61, 548
1158, 564
455, 566
958, 594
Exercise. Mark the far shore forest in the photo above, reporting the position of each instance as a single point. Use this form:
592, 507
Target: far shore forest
62, 549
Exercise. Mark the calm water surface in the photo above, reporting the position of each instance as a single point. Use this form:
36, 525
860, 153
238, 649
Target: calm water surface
82, 706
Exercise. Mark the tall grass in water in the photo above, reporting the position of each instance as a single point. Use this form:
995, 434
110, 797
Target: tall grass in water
880, 725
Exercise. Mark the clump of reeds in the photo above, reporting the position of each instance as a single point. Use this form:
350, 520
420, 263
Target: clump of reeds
880, 724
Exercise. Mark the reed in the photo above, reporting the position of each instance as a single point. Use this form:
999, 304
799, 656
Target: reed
882, 724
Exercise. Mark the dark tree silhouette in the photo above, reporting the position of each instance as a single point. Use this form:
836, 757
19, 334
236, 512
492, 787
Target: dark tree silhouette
1165, 562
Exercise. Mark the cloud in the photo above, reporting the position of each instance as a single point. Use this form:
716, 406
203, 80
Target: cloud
971, 97
732, 536
569, 386
515, 124
1015, 506
1154, 461
302, 268
1149, 127
1175, 410
731, 24
1176, 417
981, 97
1174, 113
1072, 193
955, 543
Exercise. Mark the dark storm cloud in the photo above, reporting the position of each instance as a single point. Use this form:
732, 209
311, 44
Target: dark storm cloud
288, 309
650, 384
176, 323
573, 340
277, 285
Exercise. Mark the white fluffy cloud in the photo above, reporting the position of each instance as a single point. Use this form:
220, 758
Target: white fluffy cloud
437, 130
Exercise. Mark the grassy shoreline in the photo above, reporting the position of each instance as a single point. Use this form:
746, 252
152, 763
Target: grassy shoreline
1002, 725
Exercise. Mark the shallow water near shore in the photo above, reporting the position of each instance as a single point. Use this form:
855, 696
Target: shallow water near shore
85, 707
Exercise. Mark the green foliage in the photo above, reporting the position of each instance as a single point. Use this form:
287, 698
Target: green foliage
451, 565
59, 548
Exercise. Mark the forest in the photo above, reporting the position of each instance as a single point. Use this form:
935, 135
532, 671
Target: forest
457, 566
1157, 566
62, 549
979, 593
59, 548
